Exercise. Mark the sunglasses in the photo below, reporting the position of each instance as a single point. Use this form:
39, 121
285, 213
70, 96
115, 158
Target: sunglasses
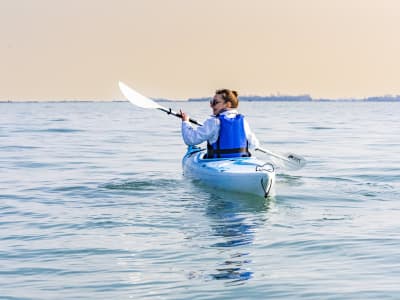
214, 102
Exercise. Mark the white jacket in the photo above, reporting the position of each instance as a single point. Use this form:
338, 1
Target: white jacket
210, 131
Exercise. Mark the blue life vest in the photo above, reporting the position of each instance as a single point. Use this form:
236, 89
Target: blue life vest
231, 141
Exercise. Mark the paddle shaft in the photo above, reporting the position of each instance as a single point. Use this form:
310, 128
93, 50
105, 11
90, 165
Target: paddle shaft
273, 154
171, 112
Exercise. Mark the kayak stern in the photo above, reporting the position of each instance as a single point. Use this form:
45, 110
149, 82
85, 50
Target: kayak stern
242, 174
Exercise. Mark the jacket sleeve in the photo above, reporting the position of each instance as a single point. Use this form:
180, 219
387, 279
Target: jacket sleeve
251, 137
198, 135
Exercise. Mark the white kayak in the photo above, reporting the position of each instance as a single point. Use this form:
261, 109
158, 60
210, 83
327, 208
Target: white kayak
247, 175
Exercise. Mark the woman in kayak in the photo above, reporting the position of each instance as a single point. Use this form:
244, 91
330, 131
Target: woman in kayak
227, 132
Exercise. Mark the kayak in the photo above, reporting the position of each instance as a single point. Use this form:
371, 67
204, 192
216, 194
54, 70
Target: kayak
247, 175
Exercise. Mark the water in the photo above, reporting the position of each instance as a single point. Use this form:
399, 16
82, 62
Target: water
93, 205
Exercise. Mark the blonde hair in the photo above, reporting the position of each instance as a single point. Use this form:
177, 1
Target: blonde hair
229, 96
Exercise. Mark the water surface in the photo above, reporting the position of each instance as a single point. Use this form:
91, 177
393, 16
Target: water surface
93, 205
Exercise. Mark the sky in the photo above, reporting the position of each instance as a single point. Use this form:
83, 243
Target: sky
178, 49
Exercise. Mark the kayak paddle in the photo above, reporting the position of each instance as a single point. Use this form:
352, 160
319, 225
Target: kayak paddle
290, 161
139, 100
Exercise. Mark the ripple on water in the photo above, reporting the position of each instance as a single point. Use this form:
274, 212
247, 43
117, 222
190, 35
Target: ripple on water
142, 185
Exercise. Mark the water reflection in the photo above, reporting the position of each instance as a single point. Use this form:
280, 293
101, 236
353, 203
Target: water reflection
234, 220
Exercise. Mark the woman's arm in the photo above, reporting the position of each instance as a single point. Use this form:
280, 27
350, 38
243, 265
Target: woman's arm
251, 137
198, 135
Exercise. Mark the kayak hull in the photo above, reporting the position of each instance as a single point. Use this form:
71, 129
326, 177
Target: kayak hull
246, 175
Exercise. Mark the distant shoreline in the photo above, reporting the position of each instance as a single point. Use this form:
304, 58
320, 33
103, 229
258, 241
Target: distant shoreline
307, 98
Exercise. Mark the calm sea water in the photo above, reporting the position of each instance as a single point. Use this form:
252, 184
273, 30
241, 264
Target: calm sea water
93, 205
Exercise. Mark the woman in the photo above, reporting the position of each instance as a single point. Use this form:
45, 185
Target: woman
227, 133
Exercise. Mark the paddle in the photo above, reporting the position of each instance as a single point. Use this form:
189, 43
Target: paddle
290, 161
139, 100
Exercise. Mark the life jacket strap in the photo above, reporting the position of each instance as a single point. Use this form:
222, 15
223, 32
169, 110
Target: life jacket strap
217, 152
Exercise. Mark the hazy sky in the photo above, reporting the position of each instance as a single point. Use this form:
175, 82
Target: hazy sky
80, 49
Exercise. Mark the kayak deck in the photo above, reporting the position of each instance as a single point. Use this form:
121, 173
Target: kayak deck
242, 174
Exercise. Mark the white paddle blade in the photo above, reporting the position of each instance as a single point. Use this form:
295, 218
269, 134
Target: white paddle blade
137, 99
296, 160
289, 161
286, 164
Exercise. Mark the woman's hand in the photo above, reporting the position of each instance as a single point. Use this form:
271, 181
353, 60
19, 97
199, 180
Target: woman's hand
185, 117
